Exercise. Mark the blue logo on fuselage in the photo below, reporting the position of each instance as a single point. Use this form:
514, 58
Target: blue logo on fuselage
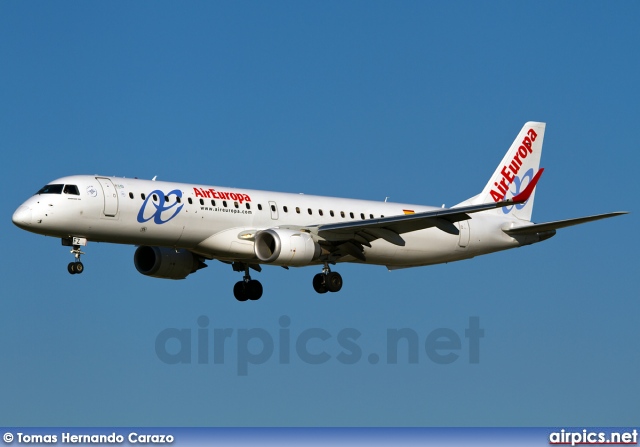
518, 182
160, 213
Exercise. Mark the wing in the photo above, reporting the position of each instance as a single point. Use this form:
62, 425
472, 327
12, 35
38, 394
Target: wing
349, 238
548, 226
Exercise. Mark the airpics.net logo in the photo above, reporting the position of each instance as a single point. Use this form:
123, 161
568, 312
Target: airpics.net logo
247, 349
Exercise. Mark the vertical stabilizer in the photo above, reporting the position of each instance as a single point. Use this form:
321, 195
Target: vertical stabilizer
515, 171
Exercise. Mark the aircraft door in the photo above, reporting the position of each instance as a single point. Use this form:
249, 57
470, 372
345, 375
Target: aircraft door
274, 210
110, 196
464, 234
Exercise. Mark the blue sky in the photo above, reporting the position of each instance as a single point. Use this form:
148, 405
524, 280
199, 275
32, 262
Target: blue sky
417, 101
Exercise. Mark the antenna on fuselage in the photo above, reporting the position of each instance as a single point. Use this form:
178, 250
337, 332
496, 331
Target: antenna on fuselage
154, 178
385, 199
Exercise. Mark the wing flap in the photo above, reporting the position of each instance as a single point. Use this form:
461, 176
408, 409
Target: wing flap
388, 235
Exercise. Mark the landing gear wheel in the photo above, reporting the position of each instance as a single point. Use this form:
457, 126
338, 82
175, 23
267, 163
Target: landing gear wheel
75, 267
253, 289
247, 289
240, 291
319, 283
333, 282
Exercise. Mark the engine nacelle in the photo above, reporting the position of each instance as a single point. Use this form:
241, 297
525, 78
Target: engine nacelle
286, 247
162, 262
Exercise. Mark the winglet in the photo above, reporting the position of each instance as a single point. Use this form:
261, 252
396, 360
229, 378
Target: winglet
524, 195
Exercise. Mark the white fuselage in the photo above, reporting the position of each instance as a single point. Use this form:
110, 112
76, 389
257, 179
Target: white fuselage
213, 221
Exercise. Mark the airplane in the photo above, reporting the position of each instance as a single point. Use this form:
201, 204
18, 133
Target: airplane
178, 226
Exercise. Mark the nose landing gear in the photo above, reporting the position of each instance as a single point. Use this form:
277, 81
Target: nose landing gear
75, 267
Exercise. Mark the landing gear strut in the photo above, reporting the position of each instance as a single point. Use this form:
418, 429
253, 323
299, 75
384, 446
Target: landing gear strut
247, 289
327, 281
77, 266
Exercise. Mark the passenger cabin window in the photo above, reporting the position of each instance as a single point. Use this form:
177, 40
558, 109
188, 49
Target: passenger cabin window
362, 216
351, 214
298, 209
71, 189
236, 204
259, 207
224, 203
213, 203
190, 201
285, 209
51, 189
341, 213
142, 195
331, 212
273, 208
320, 212
310, 212
201, 201
131, 195
248, 205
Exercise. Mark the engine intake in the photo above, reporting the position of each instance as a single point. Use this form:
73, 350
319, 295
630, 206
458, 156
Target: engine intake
286, 247
167, 263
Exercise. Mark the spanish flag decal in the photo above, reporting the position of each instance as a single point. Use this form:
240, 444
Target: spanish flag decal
409, 211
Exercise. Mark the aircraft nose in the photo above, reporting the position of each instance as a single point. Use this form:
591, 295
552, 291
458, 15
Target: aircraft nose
22, 216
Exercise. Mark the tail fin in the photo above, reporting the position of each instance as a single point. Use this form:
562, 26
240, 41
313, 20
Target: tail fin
515, 171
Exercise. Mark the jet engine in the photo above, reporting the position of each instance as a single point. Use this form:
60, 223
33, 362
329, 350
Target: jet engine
286, 247
167, 263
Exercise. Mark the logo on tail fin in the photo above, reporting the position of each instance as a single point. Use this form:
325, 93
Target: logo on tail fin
518, 183
510, 172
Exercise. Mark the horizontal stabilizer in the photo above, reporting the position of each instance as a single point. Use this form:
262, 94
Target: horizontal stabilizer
548, 226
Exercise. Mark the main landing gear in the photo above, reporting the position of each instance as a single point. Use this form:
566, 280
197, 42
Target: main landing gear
247, 289
75, 267
327, 281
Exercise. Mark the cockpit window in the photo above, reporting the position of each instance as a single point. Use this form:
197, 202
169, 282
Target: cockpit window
71, 189
51, 189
